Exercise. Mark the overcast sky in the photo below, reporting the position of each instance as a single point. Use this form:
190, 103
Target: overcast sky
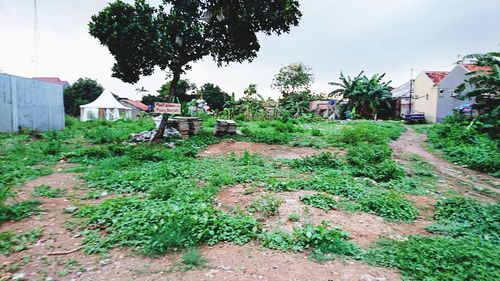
390, 36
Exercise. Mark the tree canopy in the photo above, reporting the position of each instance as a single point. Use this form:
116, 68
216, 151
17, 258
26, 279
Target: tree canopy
293, 78
214, 96
368, 96
83, 91
177, 33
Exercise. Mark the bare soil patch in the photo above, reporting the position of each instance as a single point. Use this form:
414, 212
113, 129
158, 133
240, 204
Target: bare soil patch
453, 177
363, 228
248, 262
270, 150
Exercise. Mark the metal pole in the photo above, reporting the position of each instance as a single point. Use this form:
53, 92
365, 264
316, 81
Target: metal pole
411, 90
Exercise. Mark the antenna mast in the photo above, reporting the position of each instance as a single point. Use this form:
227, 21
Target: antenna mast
36, 38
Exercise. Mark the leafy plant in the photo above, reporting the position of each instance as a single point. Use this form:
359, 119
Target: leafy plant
294, 217
191, 259
439, 258
267, 204
18, 211
321, 241
461, 216
324, 202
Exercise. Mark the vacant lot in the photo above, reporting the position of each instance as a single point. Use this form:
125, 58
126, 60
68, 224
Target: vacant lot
285, 201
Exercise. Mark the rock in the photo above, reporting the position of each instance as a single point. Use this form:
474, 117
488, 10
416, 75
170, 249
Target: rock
70, 209
19, 276
211, 272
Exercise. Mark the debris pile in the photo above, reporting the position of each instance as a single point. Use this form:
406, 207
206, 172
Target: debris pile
225, 127
149, 135
181, 125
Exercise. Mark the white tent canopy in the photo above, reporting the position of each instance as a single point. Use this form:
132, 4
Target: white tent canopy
104, 107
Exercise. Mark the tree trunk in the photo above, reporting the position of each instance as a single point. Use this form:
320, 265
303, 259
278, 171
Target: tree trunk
172, 93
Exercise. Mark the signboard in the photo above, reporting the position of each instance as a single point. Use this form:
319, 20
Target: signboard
167, 108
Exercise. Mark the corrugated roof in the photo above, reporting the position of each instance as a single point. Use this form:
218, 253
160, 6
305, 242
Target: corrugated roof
137, 104
436, 76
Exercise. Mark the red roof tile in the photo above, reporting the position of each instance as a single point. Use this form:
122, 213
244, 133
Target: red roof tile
55, 80
138, 104
436, 76
472, 67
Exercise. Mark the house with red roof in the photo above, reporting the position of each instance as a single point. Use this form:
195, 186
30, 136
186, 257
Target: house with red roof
136, 106
426, 92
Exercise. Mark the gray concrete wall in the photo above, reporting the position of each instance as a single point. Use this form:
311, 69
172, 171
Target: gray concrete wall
30, 104
446, 102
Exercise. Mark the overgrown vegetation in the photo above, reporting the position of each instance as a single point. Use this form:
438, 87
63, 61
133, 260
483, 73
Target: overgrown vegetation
462, 142
16, 242
322, 241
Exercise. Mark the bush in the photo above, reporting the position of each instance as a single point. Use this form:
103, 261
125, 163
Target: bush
463, 216
439, 258
321, 241
324, 202
267, 204
312, 163
466, 146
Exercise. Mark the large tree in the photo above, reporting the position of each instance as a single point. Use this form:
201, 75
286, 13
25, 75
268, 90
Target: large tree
83, 91
369, 96
178, 33
214, 96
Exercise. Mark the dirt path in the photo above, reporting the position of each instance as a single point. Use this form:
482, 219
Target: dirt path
270, 150
453, 177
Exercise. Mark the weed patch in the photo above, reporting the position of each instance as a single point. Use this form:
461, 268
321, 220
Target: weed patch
16, 242
47, 191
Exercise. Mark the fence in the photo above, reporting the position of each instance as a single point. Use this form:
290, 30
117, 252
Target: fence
30, 104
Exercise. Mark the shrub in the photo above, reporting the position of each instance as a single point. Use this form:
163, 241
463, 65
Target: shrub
267, 204
312, 163
439, 258
324, 202
465, 145
321, 241
463, 216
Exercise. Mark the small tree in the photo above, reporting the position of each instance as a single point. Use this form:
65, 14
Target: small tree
293, 78
83, 91
368, 96
214, 96
178, 33
293, 81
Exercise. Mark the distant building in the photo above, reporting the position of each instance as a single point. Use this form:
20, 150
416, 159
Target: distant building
426, 92
137, 107
33, 104
401, 96
447, 97
321, 108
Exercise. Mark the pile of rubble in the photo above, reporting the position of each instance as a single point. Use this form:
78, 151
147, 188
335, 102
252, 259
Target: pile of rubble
225, 127
149, 135
194, 124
